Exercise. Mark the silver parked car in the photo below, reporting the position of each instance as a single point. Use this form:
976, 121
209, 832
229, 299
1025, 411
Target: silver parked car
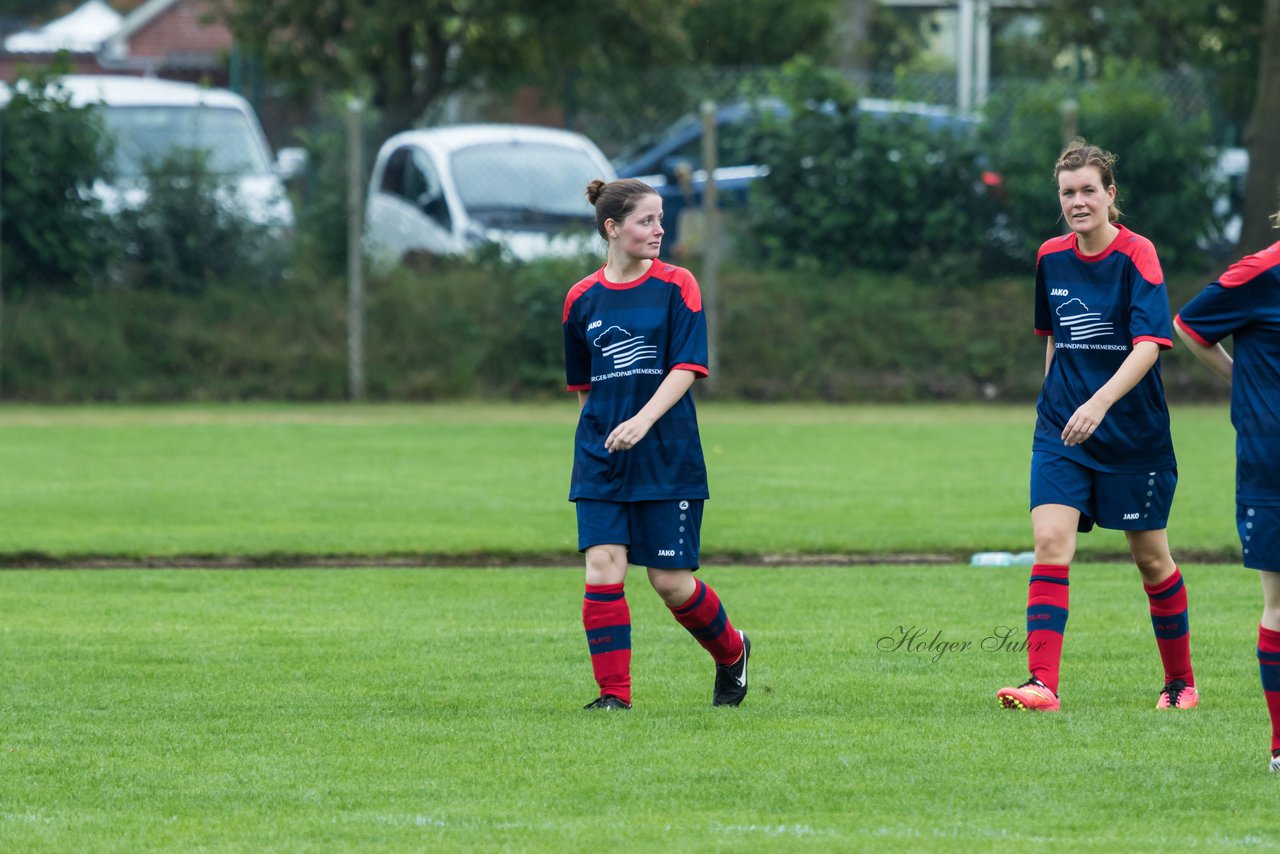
149, 119
448, 190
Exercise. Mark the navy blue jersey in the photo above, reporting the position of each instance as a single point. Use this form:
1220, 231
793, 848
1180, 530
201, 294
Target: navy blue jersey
1245, 304
1097, 307
620, 342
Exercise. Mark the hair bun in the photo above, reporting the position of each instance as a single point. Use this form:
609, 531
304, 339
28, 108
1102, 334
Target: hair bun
593, 191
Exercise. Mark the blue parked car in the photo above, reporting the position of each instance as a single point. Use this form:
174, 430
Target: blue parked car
671, 161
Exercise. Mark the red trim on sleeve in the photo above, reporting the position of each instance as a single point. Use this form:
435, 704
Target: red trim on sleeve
1044, 333
700, 370
1195, 336
581, 387
1165, 343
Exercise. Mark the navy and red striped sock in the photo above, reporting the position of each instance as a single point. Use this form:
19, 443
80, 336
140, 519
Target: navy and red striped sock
1269, 665
706, 620
1168, 602
1047, 610
607, 619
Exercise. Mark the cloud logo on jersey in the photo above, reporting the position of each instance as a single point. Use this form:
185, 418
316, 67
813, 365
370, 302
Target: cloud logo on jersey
624, 348
1082, 323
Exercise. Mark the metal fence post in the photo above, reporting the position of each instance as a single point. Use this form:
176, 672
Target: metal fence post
2, 254
355, 249
1069, 112
710, 278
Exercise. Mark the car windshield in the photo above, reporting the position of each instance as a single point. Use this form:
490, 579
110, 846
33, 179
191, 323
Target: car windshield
145, 135
525, 177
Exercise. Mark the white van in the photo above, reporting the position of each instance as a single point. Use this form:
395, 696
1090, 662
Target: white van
448, 190
148, 118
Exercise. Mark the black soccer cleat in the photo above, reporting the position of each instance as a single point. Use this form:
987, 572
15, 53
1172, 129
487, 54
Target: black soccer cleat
607, 702
731, 679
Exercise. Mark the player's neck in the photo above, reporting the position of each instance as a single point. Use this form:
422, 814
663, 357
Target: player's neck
626, 268
1096, 241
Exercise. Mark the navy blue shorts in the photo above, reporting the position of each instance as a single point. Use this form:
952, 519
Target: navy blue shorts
1123, 501
657, 534
1259, 529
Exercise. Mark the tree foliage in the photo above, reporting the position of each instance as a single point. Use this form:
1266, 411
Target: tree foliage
189, 234
1164, 164
409, 54
1225, 39
899, 37
22, 10
1262, 193
756, 32
1224, 36
55, 234
848, 188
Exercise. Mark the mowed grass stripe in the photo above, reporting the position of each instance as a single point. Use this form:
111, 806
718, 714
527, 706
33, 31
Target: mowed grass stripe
400, 711
491, 479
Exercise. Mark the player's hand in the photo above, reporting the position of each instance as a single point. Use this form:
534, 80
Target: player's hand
1084, 422
627, 434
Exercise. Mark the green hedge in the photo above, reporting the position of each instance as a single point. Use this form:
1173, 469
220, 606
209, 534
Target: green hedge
55, 234
493, 330
1164, 172
848, 188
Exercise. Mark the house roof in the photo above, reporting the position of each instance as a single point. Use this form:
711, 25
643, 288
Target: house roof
168, 34
117, 45
82, 31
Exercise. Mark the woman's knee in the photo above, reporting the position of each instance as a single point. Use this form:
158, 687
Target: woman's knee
1053, 527
674, 586
606, 564
1270, 599
1150, 550
1054, 544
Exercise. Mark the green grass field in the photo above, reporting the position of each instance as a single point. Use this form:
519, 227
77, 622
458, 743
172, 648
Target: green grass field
414, 710
461, 479
439, 709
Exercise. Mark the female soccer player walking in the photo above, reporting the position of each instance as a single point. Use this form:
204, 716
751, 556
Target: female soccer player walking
1244, 303
635, 339
1102, 453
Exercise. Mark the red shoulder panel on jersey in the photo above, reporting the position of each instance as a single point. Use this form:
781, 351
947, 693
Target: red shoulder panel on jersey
1251, 267
684, 280
1142, 253
577, 291
1056, 244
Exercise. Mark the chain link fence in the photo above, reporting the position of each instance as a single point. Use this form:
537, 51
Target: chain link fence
1166, 130
811, 191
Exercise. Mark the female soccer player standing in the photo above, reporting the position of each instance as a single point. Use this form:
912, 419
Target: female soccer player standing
635, 338
1102, 452
1244, 303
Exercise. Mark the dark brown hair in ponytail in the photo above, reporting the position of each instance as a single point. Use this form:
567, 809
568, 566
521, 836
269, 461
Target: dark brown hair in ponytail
616, 200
